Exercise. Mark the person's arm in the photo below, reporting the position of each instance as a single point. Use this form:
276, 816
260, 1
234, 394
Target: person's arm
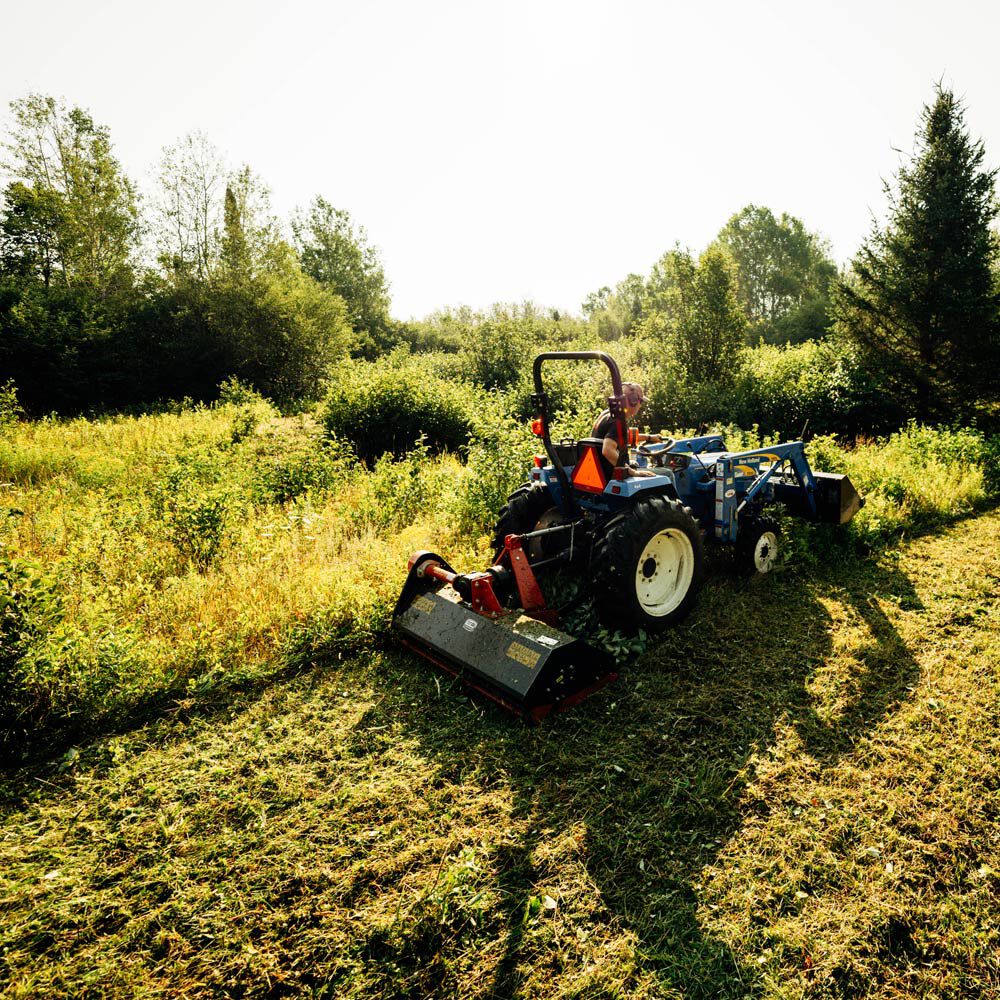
610, 450
634, 437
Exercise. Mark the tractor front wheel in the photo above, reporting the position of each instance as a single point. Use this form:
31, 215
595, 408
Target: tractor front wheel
646, 567
758, 544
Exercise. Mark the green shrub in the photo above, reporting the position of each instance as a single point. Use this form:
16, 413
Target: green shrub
73, 673
916, 479
193, 504
301, 467
499, 461
176, 407
823, 382
779, 389
398, 491
10, 409
496, 352
30, 608
236, 393
386, 407
31, 463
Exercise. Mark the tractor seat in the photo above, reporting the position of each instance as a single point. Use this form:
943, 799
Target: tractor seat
584, 443
566, 451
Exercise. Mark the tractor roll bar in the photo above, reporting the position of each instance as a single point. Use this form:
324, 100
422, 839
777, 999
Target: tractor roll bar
616, 378
616, 404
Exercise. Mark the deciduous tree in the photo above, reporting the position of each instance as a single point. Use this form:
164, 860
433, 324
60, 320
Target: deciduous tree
784, 273
694, 310
72, 198
192, 178
338, 255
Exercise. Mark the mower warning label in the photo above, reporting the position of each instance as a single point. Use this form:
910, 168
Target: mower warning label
521, 653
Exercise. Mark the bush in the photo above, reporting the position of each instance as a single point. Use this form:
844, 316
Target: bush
193, 506
824, 382
388, 406
29, 609
399, 491
296, 467
779, 389
919, 478
498, 463
496, 352
236, 393
10, 410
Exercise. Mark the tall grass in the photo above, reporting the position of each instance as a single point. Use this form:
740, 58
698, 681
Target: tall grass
144, 558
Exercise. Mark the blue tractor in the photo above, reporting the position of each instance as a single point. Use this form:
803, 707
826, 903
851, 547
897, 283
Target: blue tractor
637, 534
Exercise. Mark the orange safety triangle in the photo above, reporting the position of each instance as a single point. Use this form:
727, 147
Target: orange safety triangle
588, 474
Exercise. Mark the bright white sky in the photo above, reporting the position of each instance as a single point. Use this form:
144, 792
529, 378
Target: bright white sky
515, 150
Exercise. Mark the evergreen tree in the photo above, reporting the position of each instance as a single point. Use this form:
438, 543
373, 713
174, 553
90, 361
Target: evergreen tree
922, 299
234, 241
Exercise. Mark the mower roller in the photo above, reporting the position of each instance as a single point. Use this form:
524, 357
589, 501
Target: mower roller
637, 540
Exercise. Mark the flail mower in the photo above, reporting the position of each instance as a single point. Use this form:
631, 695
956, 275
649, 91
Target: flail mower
636, 535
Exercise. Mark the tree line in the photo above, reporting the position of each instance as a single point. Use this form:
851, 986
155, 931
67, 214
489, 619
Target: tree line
108, 300
920, 300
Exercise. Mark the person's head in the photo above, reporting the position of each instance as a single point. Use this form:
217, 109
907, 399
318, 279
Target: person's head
634, 398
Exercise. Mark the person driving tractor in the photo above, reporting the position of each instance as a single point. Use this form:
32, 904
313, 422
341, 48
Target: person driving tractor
615, 452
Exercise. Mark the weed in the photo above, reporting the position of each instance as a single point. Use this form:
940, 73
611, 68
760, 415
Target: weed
10, 409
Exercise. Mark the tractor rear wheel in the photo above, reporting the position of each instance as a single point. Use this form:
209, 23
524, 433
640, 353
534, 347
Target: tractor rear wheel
646, 566
524, 508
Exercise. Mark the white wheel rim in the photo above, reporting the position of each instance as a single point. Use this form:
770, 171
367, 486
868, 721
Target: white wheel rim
664, 572
765, 552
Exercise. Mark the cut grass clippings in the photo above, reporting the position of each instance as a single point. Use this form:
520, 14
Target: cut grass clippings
796, 794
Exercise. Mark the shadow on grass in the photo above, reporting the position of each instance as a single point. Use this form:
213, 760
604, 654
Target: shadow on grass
653, 768
640, 788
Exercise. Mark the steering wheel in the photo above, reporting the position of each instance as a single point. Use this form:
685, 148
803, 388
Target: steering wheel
655, 449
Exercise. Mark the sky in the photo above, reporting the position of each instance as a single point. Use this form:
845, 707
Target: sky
498, 152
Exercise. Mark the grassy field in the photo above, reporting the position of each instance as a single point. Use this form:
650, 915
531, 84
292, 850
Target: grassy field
797, 793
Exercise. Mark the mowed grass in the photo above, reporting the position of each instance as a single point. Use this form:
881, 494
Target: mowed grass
795, 794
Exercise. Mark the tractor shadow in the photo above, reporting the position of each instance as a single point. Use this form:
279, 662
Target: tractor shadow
617, 807
648, 776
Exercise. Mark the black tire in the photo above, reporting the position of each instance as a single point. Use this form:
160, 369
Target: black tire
758, 544
524, 507
624, 562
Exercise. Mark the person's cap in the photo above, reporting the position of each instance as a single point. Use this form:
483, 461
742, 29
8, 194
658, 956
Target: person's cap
633, 393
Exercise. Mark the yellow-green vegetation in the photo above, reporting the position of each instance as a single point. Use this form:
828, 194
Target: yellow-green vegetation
224, 779
146, 558
164, 554
797, 795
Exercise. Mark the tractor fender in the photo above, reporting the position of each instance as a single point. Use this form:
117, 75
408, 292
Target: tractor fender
658, 486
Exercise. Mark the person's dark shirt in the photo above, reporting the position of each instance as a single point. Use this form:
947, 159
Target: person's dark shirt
606, 426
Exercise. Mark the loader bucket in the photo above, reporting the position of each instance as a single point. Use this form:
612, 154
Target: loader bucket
837, 501
529, 667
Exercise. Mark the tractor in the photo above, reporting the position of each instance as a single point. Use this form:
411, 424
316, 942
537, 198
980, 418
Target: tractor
637, 539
